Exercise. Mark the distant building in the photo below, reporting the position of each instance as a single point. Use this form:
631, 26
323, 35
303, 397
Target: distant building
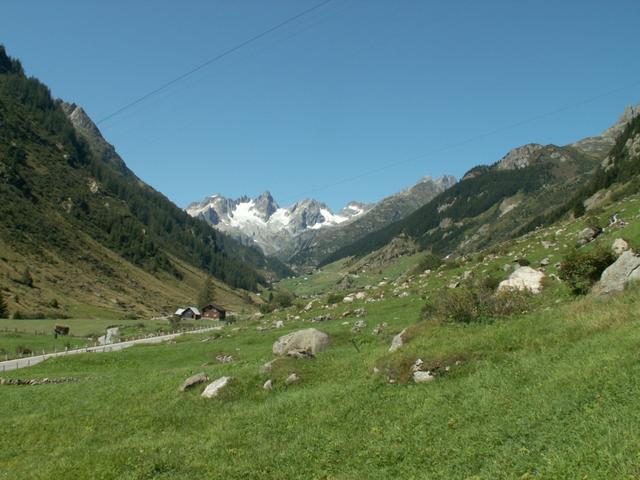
214, 311
191, 313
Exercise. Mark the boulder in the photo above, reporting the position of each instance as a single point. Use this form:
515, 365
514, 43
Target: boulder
214, 388
348, 299
587, 235
617, 275
398, 341
524, 278
309, 339
194, 380
619, 246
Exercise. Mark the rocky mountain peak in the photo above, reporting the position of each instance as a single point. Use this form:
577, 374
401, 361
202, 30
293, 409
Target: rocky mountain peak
519, 157
265, 205
80, 119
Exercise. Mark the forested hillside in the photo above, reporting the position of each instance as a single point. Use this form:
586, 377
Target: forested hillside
62, 196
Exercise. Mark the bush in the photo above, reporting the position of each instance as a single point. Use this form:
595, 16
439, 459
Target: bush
267, 308
283, 299
334, 298
471, 303
581, 269
523, 262
428, 262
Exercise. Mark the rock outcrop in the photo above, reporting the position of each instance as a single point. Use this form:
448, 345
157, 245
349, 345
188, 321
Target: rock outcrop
619, 274
524, 278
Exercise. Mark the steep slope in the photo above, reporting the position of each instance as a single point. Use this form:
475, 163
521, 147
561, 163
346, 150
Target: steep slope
260, 221
491, 203
312, 247
70, 211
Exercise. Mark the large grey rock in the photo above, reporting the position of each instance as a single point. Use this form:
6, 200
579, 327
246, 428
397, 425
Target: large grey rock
214, 388
587, 235
421, 377
194, 380
619, 274
398, 341
309, 339
524, 278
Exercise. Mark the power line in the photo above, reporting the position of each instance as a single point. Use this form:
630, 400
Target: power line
467, 140
214, 59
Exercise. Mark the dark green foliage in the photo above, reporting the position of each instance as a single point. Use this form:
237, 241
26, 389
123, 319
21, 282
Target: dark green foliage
428, 262
4, 309
475, 302
205, 296
283, 299
523, 262
334, 298
582, 268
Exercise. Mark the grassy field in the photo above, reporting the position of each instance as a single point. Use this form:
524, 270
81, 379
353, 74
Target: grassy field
554, 393
37, 335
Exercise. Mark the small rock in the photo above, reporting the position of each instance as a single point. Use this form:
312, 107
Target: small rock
268, 385
293, 378
224, 358
397, 342
361, 296
380, 328
214, 388
194, 380
545, 261
348, 299
587, 235
279, 324
417, 365
421, 377
267, 367
358, 326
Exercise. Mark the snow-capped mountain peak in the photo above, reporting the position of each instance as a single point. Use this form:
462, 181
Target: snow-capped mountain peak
261, 221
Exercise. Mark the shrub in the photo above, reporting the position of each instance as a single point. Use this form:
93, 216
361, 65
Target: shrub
523, 262
471, 303
428, 262
334, 298
282, 299
581, 269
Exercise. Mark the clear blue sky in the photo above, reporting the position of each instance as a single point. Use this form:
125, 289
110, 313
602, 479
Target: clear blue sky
353, 87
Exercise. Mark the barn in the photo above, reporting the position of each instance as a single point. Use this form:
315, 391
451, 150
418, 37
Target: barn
214, 311
191, 313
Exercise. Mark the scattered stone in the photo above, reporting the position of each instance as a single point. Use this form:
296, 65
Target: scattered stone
545, 261
507, 267
398, 341
361, 296
417, 365
194, 380
358, 326
348, 299
524, 278
322, 318
224, 358
268, 385
467, 275
360, 312
380, 328
279, 324
35, 381
405, 294
293, 378
619, 274
310, 305
214, 388
421, 377
547, 244
309, 339
454, 284
619, 246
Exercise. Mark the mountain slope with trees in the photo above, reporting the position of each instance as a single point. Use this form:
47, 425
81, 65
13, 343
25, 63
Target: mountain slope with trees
67, 199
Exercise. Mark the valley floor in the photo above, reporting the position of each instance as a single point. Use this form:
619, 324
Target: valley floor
553, 394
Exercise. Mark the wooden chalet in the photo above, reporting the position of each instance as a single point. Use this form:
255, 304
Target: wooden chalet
214, 311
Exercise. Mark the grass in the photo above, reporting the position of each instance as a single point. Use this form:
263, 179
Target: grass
37, 335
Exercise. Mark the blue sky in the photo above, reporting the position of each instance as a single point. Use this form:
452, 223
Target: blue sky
355, 89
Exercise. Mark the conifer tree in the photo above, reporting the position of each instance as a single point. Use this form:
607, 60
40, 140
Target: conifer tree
4, 309
206, 294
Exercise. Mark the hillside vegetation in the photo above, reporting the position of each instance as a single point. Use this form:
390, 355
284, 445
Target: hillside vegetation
85, 229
